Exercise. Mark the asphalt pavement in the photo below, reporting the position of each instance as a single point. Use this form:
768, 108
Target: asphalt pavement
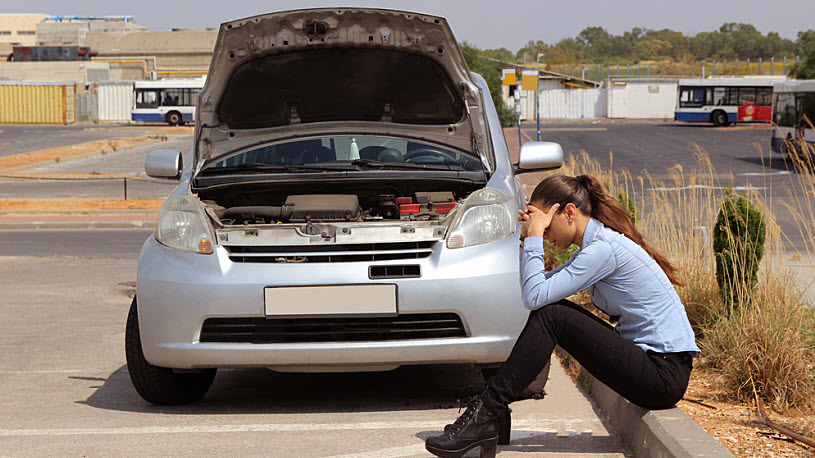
65, 390
18, 139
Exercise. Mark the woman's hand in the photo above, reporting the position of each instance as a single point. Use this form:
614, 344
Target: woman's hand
536, 221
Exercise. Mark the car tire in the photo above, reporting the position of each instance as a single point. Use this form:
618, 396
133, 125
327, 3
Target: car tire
535, 390
174, 118
719, 118
160, 385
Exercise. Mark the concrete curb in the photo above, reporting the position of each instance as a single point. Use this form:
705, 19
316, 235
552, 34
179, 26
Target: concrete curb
652, 433
49, 225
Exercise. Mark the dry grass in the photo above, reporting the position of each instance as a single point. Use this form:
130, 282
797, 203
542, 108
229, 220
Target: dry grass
767, 345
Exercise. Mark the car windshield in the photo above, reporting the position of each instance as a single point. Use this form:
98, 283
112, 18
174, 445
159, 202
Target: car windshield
341, 152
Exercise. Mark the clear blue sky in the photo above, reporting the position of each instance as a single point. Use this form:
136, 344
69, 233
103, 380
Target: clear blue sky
487, 24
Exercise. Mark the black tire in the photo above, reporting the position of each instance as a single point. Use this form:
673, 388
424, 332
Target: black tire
160, 385
719, 118
174, 118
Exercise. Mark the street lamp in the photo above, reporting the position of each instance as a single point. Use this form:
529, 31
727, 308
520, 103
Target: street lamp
537, 98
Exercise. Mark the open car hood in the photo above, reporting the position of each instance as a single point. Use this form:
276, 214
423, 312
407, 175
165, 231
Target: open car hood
344, 71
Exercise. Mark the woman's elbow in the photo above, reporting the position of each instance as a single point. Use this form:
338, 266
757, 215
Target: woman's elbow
530, 303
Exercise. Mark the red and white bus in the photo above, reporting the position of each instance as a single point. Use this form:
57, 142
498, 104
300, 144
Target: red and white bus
723, 101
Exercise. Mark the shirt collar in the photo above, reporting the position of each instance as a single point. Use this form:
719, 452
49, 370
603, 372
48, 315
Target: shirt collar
591, 230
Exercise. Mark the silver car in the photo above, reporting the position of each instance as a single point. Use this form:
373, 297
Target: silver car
349, 205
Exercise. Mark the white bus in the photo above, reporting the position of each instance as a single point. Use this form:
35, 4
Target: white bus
170, 101
794, 116
722, 101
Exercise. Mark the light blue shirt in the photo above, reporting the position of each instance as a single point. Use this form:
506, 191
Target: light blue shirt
623, 281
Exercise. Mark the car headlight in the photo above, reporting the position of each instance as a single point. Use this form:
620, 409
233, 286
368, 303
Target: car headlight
485, 216
182, 225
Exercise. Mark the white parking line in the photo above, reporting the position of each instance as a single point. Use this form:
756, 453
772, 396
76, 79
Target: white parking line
532, 425
761, 174
699, 186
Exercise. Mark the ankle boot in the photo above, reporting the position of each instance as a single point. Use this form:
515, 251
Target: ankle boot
504, 425
477, 426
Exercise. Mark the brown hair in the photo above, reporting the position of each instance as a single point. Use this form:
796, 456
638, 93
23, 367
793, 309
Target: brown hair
586, 193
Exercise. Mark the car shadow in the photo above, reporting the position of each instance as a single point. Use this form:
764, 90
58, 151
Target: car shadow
774, 162
263, 391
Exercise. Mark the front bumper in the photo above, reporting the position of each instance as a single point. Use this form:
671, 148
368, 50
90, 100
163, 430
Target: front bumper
177, 291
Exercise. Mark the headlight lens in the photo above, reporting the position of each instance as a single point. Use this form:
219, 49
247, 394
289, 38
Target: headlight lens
182, 225
484, 217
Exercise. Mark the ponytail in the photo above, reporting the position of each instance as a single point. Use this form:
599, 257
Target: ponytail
588, 195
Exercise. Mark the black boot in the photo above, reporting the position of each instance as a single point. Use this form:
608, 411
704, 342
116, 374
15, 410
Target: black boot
477, 426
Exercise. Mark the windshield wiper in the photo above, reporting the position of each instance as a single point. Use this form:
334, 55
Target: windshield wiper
246, 167
371, 164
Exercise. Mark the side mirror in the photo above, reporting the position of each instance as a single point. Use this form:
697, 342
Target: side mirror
539, 156
166, 163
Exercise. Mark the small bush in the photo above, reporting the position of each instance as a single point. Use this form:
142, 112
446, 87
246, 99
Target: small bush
764, 349
628, 203
738, 245
553, 256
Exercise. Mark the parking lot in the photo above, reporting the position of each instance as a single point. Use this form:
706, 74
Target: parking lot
64, 387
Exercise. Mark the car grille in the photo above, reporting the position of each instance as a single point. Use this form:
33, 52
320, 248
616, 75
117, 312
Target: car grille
264, 331
359, 252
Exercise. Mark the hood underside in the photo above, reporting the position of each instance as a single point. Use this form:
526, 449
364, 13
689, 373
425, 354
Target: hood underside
363, 71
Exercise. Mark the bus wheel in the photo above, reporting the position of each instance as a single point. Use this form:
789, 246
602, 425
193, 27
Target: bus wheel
173, 118
719, 118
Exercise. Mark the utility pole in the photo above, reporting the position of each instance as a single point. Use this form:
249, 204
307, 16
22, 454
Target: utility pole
537, 97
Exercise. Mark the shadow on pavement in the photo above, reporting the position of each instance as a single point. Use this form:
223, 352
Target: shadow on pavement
266, 391
775, 162
549, 442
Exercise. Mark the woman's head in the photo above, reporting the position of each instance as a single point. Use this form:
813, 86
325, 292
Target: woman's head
583, 197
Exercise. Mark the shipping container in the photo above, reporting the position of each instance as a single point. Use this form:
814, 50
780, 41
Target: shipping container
24, 102
115, 100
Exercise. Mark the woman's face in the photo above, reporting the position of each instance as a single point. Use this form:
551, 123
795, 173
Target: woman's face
560, 232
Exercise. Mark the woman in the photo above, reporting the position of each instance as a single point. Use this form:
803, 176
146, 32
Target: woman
646, 357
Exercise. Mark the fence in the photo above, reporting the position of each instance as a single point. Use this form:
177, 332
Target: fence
600, 72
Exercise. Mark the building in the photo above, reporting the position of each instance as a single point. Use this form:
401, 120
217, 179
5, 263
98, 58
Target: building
18, 30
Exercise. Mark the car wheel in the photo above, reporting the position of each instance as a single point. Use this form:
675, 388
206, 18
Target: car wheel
719, 119
160, 385
174, 118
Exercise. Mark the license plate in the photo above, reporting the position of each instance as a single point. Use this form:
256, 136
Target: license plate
310, 301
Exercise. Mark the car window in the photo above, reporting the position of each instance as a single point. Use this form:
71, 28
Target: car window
346, 149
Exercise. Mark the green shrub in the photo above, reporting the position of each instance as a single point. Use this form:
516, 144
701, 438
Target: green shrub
554, 257
628, 203
738, 246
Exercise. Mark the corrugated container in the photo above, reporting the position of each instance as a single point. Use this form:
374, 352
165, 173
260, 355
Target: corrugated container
23, 102
115, 100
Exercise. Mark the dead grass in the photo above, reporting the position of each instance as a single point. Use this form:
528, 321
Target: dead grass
58, 205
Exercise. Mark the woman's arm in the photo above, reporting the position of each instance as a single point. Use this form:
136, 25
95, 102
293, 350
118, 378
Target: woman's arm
591, 264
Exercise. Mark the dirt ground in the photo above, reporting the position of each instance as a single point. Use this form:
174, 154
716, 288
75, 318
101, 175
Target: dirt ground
738, 426
73, 205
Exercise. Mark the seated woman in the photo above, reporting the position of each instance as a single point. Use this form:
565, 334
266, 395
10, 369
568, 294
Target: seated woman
646, 357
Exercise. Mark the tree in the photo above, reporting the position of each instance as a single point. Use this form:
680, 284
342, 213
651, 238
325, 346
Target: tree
491, 71
805, 70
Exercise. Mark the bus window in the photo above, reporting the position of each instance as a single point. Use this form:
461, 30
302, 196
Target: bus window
784, 110
747, 95
146, 99
692, 97
719, 96
764, 96
806, 102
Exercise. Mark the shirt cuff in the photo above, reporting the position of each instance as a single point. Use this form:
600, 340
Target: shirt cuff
533, 244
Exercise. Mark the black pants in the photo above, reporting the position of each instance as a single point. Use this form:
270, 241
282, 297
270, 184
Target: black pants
648, 379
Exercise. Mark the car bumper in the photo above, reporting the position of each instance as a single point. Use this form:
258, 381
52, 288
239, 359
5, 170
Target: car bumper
177, 291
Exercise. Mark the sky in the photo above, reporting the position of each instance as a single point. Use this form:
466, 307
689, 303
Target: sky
486, 24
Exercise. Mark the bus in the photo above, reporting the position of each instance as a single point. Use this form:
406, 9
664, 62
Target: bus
171, 101
722, 101
794, 116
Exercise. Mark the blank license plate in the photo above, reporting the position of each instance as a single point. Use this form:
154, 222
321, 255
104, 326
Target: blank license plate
330, 300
